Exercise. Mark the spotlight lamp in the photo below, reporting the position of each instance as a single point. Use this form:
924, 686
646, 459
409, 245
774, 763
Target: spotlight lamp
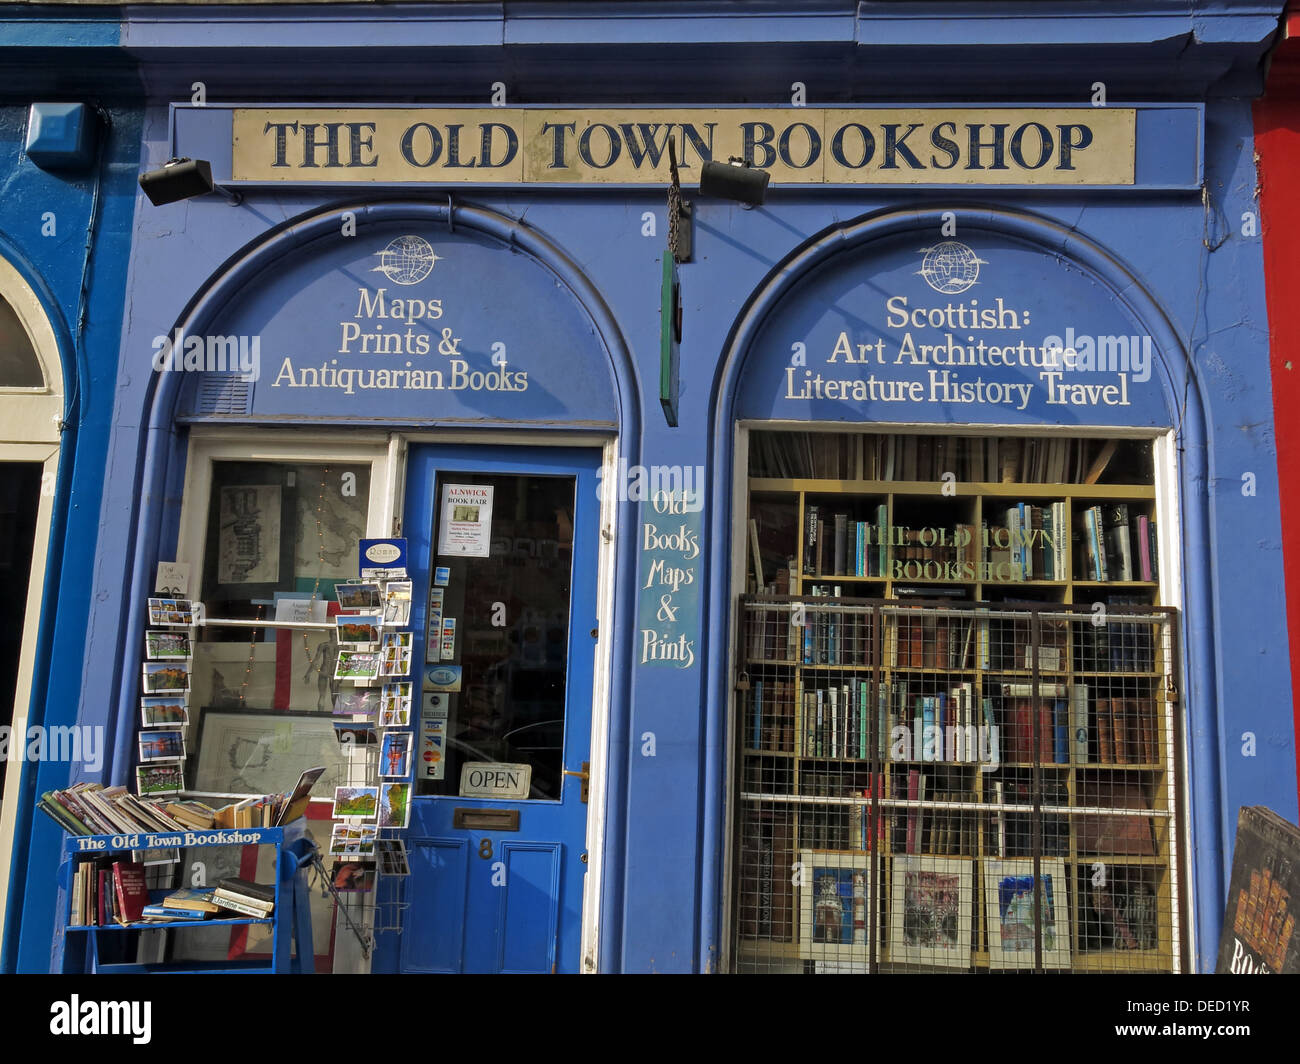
734, 180
179, 179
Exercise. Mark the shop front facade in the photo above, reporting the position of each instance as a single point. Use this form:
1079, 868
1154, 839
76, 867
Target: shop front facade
903, 541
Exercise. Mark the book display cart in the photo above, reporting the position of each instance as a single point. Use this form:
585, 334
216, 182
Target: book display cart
957, 716
116, 947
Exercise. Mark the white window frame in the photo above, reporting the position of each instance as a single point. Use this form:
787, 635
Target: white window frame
30, 432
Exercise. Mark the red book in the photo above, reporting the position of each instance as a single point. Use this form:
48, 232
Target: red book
1119, 730
1046, 734
1105, 748
132, 893
917, 654
1022, 749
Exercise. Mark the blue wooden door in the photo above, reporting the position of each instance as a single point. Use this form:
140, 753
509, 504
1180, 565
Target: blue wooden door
505, 623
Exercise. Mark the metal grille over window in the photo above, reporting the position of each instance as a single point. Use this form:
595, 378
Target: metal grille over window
981, 788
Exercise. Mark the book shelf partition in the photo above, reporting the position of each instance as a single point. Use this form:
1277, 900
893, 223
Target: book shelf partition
909, 770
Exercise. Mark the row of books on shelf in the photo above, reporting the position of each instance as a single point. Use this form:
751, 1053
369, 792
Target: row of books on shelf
959, 725
924, 817
93, 809
972, 459
108, 892
1118, 546
833, 634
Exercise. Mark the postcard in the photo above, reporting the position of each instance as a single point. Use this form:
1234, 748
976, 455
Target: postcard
352, 840
395, 755
355, 802
394, 805
163, 712
358, 629
162, 746
175, 612
154, 780
359, 595
392, 857
357, 665
353, 877
166, 677
397, 602
167, 646
358, 702
395, 705
395, 662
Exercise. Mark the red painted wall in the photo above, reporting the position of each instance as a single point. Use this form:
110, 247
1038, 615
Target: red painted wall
1277, 147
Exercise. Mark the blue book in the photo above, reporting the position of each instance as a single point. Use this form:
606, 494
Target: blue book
181, 914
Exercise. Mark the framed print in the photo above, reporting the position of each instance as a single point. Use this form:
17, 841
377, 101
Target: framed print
152, 781
1009, 905
248, 550
357, 665
262, 752
358, 629
166, 645
930, 911
162, 746
395, 755
163, 712
166, 677
359, 595
834, 904
394, 805
360, 802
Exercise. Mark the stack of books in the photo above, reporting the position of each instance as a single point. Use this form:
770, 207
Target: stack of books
184, 904
247, 899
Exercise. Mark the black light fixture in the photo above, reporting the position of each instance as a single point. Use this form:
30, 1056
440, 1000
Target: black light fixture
734, 180
179, 179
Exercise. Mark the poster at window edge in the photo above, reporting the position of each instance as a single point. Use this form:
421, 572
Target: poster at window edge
466, 525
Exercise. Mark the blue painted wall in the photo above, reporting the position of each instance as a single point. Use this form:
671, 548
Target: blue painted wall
88, 326
664, 884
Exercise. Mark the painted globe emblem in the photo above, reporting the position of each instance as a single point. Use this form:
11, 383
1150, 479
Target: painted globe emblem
950, 267
406, 260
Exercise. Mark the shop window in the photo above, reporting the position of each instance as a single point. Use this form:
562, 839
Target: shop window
278, 537
954, 666
19, 366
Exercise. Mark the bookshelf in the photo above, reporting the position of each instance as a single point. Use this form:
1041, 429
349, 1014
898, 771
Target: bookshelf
926, 716
113, 948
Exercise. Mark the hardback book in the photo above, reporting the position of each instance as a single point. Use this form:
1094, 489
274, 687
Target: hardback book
243, 888
243, 908
1079, 723
1119, 552
176, 913
190, 899
130, 890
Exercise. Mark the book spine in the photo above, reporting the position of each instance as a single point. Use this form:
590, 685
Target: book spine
241, 908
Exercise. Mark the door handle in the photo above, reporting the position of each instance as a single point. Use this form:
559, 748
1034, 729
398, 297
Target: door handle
585, 776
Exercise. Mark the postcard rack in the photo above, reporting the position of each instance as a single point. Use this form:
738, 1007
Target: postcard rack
107, 947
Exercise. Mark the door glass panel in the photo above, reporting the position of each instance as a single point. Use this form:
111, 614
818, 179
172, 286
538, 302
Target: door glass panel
508, 630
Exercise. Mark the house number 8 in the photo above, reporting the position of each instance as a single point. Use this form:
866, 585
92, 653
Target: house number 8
485, 849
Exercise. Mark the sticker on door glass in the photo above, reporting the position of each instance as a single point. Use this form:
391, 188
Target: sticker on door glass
466, 526
489, 779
